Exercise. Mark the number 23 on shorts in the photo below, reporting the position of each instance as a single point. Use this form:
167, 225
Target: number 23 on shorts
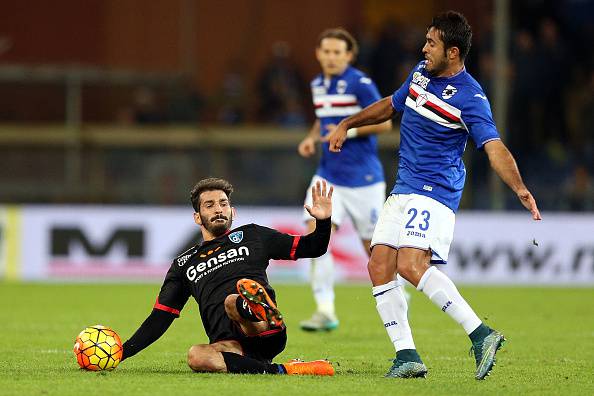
420, 220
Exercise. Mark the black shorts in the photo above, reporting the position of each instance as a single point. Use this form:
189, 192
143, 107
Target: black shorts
264, 346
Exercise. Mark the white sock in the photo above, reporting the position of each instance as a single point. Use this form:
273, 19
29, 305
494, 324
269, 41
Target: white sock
392, 308
322, 283
442, 291
400, 281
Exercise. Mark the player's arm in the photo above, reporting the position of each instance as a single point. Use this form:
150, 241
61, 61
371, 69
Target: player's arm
316, 243
172, 297
376, 113
307, 147
367, 94
504, 164
149, 331
383, 127
283, 246
352, 133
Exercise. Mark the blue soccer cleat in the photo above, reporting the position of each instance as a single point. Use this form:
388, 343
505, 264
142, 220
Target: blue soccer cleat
402, 369
484, 353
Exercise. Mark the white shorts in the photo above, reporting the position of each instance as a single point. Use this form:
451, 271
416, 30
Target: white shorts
361, 204
412, 220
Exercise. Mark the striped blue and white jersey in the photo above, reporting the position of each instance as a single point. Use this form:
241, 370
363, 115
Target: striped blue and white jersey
336, 98
439, 113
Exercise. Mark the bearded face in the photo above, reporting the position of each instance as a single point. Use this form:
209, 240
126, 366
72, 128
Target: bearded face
435, 53
216, 213
218, 224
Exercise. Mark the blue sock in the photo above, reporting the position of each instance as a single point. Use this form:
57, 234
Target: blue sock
479, 333
408, 355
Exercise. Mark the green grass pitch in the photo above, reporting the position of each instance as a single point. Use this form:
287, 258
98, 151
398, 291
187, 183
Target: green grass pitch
550, 348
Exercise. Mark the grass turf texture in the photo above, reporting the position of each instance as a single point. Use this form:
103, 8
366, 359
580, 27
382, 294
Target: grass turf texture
550, 346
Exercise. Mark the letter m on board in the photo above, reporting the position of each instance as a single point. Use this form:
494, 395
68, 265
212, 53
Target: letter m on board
63, 238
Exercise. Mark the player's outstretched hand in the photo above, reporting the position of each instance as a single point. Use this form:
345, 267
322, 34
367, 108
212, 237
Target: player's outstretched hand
307, 147
336, 138
321, 207
529, 203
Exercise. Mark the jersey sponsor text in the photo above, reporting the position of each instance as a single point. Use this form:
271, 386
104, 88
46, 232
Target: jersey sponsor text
194, 272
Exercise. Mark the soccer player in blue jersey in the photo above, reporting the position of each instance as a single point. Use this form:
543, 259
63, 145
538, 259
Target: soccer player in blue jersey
442, 106
356, 173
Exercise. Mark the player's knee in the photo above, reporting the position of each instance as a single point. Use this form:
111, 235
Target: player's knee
230, 307
412, 267
379, 270
199, 358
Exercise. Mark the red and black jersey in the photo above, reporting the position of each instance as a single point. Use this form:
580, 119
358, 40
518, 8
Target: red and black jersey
210, 271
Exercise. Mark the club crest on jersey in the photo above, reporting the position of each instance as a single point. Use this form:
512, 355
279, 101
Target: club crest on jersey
341, 86
236, 236
449, 91
421, 100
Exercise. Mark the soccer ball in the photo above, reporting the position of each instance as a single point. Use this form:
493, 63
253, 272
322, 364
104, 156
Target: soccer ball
98, 348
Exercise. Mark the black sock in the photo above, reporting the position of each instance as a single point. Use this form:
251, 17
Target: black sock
245, 365
409, 355
479, 333
244, 310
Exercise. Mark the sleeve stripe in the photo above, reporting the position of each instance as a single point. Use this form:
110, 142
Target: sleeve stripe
165, 308
296, 239
490, 140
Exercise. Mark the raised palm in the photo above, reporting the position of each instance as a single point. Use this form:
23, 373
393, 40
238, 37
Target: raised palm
321, 207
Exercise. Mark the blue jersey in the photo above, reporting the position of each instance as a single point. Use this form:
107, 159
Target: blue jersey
439, 113
336, 98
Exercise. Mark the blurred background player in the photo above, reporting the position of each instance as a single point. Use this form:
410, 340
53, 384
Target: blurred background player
442, 105
356, 173
226, 275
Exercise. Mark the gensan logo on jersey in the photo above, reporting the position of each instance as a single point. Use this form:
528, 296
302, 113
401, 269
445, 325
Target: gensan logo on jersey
197, 271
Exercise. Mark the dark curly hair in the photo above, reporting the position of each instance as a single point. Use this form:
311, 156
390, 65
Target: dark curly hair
454, 31
210, 184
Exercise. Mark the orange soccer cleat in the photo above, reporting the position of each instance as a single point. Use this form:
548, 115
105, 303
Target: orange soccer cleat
260, 302
315, 367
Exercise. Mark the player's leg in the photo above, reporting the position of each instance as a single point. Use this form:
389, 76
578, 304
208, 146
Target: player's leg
260, 307
240, 312
363, 205
227, 357
392, 307
391, 303
442, 292
267, 345
322, 285
257, 346
430, 228
322, 273
400, 281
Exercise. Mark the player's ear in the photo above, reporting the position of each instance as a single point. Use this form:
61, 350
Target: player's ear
233, 212
453, 53
197, 218
350, 56
318, 53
